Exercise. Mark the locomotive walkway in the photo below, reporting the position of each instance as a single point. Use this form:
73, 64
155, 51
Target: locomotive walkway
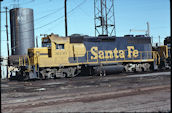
118, 93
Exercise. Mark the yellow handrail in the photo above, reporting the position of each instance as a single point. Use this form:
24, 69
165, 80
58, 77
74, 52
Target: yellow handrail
22, 62
19, 62
155, 55
36, 67
29, 63
158, 58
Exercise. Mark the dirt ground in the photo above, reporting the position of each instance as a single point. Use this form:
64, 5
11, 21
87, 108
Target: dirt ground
114, 93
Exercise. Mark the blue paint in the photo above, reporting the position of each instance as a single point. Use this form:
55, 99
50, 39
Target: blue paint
121, 43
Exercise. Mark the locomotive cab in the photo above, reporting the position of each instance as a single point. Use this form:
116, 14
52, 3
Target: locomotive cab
56, 52
53, 50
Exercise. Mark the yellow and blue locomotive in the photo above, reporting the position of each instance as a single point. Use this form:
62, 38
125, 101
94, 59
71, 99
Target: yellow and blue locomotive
70, 56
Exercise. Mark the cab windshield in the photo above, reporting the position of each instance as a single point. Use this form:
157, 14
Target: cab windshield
46, 42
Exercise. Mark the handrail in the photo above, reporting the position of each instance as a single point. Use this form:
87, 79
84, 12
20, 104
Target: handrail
142, 55
155, 55
29, 68
22, 62
158, 58
36, 59
19, 61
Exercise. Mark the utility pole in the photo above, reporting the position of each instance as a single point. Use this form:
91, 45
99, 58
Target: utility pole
0, 41
148, 29
36, 41
66, 32
152, 40
159, 40
6, 9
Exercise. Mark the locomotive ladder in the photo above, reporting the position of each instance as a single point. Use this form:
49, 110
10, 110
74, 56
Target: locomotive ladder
25, 61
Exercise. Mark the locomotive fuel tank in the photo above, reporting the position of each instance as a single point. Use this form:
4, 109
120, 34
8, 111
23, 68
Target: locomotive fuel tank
108, 69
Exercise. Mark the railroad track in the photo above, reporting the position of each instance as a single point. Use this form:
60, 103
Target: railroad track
82, 89
88, 81
82, 97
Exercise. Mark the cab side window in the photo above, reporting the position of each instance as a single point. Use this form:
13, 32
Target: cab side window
60, 46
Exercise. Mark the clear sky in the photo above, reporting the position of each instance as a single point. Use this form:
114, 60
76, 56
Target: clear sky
129, 14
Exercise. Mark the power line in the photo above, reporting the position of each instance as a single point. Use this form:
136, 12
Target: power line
54, 20
51, 14
57, 10
82, 10
63, 15
17, 3
26, 2
38, 19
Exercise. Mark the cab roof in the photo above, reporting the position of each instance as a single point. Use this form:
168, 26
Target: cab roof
57, 39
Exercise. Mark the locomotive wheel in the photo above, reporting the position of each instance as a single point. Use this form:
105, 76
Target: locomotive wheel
102, 73
69, 72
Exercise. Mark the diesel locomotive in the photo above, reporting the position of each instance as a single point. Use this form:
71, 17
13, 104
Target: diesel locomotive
76, 54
